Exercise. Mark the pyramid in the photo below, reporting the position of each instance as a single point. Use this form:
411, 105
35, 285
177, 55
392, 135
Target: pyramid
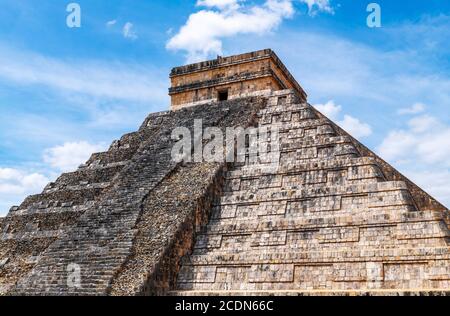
332, 218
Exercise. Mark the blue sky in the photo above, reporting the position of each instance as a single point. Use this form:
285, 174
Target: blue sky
66, 92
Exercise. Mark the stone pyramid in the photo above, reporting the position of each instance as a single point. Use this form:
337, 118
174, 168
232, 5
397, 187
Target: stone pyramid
332, 219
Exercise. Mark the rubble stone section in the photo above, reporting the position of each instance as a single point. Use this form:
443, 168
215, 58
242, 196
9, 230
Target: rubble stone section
31, 228
167, 226
332, 220
94, 217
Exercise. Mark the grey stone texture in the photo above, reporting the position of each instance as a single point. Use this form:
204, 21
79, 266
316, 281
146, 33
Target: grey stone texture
122, 217
332, 219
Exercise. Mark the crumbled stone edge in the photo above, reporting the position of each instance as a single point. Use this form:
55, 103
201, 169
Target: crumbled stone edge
164, 278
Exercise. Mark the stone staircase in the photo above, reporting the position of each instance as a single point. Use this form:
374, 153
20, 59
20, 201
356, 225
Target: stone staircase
334, 219
330, 218
90, 218
31, 228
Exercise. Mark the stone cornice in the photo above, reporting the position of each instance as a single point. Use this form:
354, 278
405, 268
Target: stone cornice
222, 62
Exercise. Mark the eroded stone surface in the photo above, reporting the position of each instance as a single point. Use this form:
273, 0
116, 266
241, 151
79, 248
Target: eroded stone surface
334, 218
331, 219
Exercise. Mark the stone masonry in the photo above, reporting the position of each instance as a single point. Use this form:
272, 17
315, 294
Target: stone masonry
332, 219
96, 216
237, 76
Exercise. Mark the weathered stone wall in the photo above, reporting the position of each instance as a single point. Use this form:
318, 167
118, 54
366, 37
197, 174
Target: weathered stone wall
239, 88
41, 219
329, 221
91, 218
168, 226
207, 76
240, 74
332, 219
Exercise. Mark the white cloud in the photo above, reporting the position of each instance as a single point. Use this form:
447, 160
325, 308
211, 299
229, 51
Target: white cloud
329, 109
69, 156
128, 31
396, 145
203, 32
352, 125
423, 123
16, 184
8, 174
111, 23
355, 127
100, 79
426, 141
202, 35
436, 183
221, 4
315, 6
415, 109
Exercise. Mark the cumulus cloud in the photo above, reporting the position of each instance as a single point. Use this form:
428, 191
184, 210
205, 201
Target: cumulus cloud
315, 6
397, 144
415, 109
202, 34
425, 140
14, 181
204, 31
349, 123
221, 4
69, 156
423, 123
421, 150
16, 184
329, 109
355, 127
128, 31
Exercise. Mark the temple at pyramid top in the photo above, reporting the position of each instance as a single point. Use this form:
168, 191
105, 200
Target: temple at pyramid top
230, 77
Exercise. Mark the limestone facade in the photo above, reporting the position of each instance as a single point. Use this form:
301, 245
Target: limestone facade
124, 218
238, 76
330, 220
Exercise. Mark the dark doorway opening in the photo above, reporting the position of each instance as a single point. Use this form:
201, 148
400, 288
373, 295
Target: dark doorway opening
222, 95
